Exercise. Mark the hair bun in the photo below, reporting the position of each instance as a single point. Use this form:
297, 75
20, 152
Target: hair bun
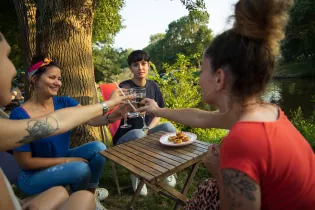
262, 20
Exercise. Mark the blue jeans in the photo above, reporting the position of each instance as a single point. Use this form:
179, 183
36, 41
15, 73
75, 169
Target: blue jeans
79, 175
138, 133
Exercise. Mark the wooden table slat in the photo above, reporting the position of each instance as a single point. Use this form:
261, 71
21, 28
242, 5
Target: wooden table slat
144, 161
206, 144
201, 147
128, 166
173, 157
165, 149
177, 149
136, 163
155, 155
153, 159
193, 149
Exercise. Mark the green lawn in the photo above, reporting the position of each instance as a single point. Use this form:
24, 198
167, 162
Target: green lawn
302, 69
153, 201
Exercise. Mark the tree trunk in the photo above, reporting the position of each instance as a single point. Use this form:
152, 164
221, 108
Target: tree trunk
26, 13
64, 32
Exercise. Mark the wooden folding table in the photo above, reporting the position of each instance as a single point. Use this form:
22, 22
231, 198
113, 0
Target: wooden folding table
152, 162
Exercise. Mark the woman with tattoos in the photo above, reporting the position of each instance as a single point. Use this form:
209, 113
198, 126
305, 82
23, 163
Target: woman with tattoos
50, 162
264, 162
16, 133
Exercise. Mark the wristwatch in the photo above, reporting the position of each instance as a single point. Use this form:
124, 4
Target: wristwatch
105, 107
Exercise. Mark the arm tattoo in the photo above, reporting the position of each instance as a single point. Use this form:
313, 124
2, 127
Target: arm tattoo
237, 183
38, 129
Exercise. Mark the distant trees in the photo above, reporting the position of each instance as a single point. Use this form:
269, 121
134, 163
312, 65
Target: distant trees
108, 62
299, 44
188, 35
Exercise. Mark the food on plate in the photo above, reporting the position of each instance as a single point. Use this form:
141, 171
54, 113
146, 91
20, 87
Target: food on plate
179, 138
172, 138
185, 139
177, 141
180, 134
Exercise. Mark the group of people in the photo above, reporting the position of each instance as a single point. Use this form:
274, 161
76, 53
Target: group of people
263, 162
49, 162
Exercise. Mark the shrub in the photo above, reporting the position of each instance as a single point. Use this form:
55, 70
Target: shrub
305, 126
180, 88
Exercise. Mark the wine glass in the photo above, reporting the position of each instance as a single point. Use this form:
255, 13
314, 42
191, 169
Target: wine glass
131, 113
140, 94
124, 112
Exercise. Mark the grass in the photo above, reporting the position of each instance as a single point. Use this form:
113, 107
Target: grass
301, 69
152, 201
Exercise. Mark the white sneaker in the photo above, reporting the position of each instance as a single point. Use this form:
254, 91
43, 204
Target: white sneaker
170, 180
135, 182
101, 194
99, 206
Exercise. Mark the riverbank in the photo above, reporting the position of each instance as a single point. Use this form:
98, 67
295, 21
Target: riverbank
295, 70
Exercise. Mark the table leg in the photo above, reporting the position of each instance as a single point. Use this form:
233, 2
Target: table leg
134, 198
115, 177
189, 179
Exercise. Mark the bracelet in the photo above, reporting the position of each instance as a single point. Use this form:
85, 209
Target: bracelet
104, 107
107, 118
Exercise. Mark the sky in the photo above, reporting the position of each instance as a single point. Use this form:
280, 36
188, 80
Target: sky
143, 18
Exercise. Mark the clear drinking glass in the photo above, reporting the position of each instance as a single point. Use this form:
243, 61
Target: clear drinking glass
124, 112
125, 125
131, 113
139, 95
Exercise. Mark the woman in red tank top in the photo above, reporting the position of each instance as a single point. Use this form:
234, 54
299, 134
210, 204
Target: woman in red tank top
264, 162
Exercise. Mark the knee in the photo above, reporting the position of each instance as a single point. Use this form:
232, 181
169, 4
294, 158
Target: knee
168, 127
60, 192
81, 170
98, 146
137, 134
86, 199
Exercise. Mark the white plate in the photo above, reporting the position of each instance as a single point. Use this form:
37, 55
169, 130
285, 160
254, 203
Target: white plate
164, 139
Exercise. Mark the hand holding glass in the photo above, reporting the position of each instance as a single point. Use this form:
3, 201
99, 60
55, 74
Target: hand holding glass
139, 95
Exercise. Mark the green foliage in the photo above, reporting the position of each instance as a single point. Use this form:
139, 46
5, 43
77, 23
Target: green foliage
300, 32
10, 29
156, 37
194, 5
305, 126
108, 61
179, 86
180, 89
107, 20
188, 35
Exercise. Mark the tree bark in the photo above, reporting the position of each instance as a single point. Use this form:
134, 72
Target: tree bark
26, 13
64, 32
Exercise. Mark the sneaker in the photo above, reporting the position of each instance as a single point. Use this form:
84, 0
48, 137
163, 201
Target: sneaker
135, 182
170, 180
101, 194
99, 206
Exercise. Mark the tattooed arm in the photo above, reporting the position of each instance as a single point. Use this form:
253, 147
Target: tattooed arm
14, 133
238, 191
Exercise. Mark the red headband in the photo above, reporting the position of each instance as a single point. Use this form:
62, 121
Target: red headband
34, 68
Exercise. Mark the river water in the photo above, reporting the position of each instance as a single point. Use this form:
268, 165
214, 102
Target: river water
291, 93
